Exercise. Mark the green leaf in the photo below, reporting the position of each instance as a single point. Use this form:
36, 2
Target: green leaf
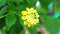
22, 32
31, 2
2, 2
15, 29
21, 21
32, 31
2, 23
2, 11
11, 6
10, 20
44, 4
51, 25
20, 0
22, 7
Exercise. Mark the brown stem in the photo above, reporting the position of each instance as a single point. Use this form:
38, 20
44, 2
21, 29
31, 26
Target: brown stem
26, 30
41, 21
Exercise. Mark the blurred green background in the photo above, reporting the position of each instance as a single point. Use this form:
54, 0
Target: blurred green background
10, 16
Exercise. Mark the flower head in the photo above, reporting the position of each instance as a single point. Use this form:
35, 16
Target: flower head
30, 17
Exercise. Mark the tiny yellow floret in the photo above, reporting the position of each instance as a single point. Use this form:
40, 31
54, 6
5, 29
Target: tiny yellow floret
24, 13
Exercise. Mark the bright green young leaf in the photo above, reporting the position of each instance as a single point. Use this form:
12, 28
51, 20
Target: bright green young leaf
10, 20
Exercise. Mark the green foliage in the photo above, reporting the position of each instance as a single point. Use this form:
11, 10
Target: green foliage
2, 2
10, 20
31, 2
2, 11
10, 16
20, 0
32, 30
22, 32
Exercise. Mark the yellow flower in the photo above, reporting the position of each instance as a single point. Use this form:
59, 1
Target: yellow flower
24, 13
30, 17
23, 17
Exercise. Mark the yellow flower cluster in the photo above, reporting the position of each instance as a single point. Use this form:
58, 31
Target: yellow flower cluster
30, 17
